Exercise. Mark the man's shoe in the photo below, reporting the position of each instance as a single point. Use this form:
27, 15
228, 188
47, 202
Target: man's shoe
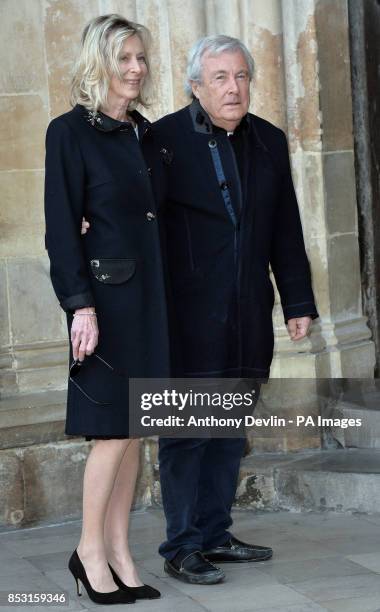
194, 569
235, 551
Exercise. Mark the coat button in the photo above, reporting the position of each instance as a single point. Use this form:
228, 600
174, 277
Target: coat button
150, 216
149, 170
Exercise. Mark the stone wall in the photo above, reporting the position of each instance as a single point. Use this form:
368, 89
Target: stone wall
302, 84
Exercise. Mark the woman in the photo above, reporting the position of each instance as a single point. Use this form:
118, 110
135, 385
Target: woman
102, 162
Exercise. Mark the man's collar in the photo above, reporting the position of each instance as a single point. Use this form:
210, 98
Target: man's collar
202, 122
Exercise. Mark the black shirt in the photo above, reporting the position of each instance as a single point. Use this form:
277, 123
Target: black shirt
238, 140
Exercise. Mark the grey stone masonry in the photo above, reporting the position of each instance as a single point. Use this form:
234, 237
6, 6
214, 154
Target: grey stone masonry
42, 483
41, 469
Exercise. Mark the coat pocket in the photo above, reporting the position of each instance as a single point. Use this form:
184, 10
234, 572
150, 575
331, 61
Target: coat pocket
113, 271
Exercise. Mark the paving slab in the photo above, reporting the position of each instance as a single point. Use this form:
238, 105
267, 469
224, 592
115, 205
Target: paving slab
310, 569
368, 560
322, 562
40, 544
339, 587
304, 607
353, 543
354, 604
250, 599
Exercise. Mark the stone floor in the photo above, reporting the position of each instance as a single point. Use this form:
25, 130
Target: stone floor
322, 562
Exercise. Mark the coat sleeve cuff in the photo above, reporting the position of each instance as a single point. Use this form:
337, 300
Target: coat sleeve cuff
303, 309
81, 300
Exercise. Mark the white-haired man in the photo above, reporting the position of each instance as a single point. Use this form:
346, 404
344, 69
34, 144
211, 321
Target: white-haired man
231, 212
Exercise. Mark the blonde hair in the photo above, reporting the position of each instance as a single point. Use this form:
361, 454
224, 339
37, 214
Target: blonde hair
98, 60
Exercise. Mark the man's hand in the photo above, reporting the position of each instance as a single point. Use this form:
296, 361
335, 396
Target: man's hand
84, 333
298, 328
85, 226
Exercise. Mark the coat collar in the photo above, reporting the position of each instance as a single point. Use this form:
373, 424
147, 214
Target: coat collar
104, 123
202, 122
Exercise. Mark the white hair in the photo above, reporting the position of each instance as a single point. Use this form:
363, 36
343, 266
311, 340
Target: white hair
213, 46
101, 45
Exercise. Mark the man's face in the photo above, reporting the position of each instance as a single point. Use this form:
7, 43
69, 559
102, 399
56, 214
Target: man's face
224, 91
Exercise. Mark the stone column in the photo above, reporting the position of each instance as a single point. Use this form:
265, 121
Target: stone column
364, 20
33, 346
319, 117
175, 26
319, 128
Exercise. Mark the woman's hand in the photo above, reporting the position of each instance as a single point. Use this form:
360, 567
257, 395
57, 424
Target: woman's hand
84, 333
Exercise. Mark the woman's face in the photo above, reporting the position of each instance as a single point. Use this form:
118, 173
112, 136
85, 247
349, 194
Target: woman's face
133, 70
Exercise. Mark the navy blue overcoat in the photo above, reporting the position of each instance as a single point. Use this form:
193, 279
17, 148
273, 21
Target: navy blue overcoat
224, 229
97, 168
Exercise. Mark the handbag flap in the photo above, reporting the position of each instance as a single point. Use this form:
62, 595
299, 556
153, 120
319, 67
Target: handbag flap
113, 271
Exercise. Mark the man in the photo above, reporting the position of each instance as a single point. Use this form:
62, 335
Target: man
231, 212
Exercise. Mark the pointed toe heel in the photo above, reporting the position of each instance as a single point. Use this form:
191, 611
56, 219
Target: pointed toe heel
114, 597
141, 592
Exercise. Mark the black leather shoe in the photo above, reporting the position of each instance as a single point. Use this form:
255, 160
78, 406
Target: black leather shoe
194, 569
235, 551
141, 592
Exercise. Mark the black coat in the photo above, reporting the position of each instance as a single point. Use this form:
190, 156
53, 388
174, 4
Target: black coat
96, 167
224, 229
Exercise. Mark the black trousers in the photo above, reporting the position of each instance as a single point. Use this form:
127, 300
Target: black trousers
198, 484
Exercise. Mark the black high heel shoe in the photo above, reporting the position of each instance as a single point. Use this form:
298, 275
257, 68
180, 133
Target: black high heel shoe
141, 592
114, 597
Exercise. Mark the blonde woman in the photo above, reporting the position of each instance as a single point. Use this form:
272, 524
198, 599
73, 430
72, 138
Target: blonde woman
102, 162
